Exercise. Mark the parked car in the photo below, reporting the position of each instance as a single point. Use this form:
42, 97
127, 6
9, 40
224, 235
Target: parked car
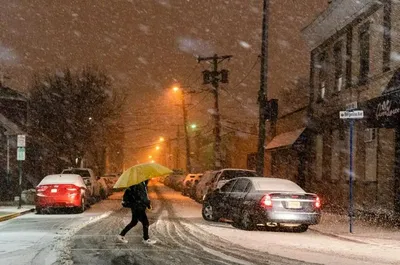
61, 191
192, 190
270, 202
188, 182
110, 179
177, 182
105, 189
90, 180
224, 175
204, 185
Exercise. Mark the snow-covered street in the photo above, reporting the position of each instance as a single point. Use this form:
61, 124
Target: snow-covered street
40, 239
185, 238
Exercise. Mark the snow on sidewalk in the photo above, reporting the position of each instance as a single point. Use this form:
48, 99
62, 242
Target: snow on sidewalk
9, 212
338, 226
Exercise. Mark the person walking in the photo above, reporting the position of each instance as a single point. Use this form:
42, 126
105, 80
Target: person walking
136, 198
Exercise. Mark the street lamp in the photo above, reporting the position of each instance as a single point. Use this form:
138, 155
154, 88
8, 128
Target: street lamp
162, 139
157, 147
193, 126
183, 92
150, 156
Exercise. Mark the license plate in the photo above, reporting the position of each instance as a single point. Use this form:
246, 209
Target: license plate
293, 205
53, 190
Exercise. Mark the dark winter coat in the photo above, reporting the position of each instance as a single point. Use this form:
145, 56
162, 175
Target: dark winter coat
136, 197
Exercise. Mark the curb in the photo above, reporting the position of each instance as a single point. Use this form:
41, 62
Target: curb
338, 236
14, 215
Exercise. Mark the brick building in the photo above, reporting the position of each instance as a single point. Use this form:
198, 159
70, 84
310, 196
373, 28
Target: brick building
355, 52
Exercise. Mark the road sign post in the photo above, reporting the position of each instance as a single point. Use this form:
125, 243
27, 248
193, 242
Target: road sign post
351, 115
21, 143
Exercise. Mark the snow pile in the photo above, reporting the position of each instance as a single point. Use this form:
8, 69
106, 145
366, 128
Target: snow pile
62, 246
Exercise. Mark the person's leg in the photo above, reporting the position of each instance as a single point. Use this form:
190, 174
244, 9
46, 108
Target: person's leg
132, 224
142, 217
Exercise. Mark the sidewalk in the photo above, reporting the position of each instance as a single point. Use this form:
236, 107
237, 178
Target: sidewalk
338, 226
10, 212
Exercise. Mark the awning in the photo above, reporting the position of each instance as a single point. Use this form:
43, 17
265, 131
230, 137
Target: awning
286, 139
384, 111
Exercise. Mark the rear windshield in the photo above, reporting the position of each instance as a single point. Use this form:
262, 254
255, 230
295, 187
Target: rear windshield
82, 173
231, 174
277, 185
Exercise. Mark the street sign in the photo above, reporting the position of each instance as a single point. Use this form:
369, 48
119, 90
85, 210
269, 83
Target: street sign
21, 154
351, 105
356, 114
21, 140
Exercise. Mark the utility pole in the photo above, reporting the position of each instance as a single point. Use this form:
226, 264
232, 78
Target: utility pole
178, 154
169, 154
263, 92
188, 164
214, 77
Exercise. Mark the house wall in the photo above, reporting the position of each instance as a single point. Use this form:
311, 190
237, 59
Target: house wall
374, 159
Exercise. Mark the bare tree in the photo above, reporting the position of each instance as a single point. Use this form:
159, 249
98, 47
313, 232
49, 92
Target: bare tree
73, 113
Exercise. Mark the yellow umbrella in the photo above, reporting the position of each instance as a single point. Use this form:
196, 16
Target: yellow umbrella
139, 173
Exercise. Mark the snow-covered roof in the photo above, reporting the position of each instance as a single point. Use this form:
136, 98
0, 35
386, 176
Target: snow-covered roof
285, 139
10, 126
63, 179
339, 14
8, 93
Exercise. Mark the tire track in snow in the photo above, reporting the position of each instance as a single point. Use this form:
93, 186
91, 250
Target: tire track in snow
218, 246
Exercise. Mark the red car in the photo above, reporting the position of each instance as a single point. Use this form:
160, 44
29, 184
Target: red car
61, 191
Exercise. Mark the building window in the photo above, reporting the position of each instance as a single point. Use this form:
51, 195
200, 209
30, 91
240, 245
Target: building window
371, 154
335, 158
322, 76
319, 148
338, 58
364, 42
387, 39
349, 57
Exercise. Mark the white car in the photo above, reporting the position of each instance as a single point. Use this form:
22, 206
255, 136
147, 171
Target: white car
90, 180
224, 175
189, 181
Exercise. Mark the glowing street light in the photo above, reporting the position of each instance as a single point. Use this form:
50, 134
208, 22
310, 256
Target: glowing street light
193, 126
157, 147
152, 161
175, 89
150, 156
162, 139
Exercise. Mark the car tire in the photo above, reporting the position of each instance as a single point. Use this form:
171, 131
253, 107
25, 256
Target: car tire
246, 221
81, 208
38, 210
301, 228
208, 213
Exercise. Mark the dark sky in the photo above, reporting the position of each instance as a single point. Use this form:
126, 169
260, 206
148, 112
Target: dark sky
149, 45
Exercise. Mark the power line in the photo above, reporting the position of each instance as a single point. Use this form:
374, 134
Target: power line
238, 130
198, 103
247, 74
